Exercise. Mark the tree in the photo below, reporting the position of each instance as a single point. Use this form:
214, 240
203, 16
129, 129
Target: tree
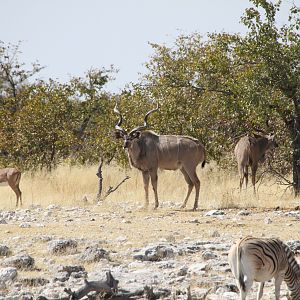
44, 126
43, 123
275, 53
94, 110
224, 85
13, 75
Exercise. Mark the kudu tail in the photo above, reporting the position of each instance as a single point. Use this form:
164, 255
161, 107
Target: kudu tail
18, 178
204, 157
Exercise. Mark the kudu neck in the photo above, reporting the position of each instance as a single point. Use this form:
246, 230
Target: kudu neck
262, 143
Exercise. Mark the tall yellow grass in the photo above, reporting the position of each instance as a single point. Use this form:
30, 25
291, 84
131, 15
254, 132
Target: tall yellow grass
69, 185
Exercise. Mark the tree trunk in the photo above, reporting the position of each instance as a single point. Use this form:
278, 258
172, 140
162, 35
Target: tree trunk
296, 155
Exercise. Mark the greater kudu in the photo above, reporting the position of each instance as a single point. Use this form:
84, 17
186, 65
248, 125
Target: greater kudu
249, 151
148, 151
12, 176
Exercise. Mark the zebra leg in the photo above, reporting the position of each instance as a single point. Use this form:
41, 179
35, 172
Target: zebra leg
260, 290
278, 280
248, 284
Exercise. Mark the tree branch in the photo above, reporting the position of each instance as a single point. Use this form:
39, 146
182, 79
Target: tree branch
113, 189
108, 287
109, 290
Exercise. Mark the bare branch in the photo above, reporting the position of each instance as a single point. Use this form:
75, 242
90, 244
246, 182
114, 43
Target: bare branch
108, 287
113, 189
109, 290
99, 175
284, 181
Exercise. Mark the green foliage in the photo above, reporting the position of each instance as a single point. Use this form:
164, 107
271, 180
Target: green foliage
45, 123
221, 86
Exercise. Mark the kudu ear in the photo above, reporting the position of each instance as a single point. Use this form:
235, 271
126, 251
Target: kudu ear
136, 134
257, 136
118, 134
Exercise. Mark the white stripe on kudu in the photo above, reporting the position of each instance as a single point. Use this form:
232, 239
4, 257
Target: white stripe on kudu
257, 259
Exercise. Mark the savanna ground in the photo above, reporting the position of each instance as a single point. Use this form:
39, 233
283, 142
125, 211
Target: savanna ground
67, 186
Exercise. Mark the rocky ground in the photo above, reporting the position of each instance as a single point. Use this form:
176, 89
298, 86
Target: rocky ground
176, 254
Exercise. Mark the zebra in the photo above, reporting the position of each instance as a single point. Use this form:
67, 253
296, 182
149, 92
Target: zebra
258, 259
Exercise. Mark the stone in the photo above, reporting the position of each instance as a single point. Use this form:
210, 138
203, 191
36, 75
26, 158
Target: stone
22, 261
243, 213
198, 268
62, 246
155, 253
214, 212
8, 274
25, 225
93, 254
4, 250
294, 245
267, 220
206, 255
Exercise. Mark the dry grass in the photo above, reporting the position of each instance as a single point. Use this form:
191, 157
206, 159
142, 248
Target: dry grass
68, 186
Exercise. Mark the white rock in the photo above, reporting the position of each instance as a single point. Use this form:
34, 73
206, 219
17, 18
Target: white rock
214, 212
198, 268
7, 274
24, 225
268, 220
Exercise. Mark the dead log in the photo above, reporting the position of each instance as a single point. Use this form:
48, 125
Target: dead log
107, 288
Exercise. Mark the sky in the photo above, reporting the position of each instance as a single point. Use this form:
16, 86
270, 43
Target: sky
69, 37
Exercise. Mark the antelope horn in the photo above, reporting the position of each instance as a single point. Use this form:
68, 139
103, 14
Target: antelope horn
145, 120
118, 126
259, 130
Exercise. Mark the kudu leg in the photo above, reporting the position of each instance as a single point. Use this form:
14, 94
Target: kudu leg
20, 195
190, 187
154, 178
243, 171
254, 169
17, 191
196, 182
146, 178
246, 174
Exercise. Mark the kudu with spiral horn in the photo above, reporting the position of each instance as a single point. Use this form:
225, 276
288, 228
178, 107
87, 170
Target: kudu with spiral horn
148, 152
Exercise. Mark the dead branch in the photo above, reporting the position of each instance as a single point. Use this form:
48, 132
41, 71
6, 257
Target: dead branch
283, 180
99, 175
109, 290
108, 287
148, 293
113, 189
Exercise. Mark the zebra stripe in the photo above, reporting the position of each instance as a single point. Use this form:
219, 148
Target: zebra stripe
256, 259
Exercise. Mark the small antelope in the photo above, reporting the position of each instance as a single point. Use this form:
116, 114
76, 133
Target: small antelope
249, 151
12, 176
256, 259
148, 151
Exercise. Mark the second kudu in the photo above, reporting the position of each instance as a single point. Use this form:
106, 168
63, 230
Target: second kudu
12, 177
249, 151
148, 151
